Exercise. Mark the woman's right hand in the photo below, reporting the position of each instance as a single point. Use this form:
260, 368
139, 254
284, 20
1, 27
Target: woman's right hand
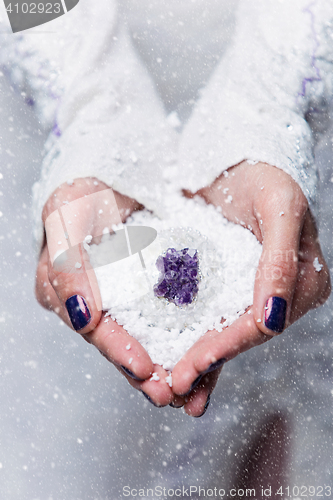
71, 290
292, 276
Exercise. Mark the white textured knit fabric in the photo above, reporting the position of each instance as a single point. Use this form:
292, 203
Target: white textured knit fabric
278, 67
92, 88
101, 94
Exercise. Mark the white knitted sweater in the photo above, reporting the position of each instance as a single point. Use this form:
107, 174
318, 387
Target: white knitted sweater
103, 79
243, 77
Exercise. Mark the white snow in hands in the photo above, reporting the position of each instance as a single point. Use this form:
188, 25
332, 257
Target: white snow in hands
168, 380
228, 258
318, 267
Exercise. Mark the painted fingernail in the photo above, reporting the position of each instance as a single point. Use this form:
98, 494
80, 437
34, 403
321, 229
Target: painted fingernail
216, 365
150, 400
194, 384
78, 312
275, 314
205, 408
131, 374
174, 406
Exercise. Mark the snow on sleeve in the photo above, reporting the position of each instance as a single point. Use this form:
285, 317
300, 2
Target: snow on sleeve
278, 68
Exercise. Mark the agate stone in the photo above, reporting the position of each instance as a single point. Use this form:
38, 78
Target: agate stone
179, 278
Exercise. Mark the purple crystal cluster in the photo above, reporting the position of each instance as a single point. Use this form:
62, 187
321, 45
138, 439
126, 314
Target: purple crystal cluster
179, 278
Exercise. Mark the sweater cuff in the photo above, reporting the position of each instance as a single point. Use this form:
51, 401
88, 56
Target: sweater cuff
242, 130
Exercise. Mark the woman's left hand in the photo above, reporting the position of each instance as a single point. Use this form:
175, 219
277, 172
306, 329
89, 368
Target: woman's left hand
292, 276
83, 208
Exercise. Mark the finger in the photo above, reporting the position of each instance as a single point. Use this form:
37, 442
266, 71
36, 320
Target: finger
185, 376
177, 402
72, 215
156, 388
76, 287
312, 290
67, 228
197, 402
118, 347
282, 220
313, 284
45, 293
109, 338
215, 348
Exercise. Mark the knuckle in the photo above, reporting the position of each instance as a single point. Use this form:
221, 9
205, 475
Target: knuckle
287, 196
63, 281
298, 201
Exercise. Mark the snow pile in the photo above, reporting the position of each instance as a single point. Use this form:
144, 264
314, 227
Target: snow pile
228, 258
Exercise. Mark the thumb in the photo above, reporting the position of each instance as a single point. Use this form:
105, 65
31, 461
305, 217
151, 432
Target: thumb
76, 286
278, 267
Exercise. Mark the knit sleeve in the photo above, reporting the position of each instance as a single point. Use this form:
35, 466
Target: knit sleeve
276, 73
96, 97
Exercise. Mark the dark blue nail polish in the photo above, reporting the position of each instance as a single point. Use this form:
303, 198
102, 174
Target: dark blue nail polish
275, 314
131, 374
216, 365
150, 400
78, 312
194, 384
207, 402
205, 408
174, 406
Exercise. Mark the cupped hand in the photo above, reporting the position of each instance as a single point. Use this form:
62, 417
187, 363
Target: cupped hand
74, 213
292, 276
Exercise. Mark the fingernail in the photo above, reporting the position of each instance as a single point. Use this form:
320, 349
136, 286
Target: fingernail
216, 365
205, 408
78, 312
131, 374
275, 314
194, 384
174, 406
150, 400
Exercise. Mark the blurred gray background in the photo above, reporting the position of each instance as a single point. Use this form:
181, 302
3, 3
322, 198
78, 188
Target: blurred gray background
70, 425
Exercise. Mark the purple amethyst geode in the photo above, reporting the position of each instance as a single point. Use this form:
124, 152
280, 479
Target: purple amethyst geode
179, 278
